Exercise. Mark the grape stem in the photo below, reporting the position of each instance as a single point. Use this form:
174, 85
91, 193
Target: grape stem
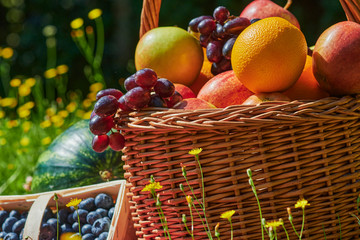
288, 4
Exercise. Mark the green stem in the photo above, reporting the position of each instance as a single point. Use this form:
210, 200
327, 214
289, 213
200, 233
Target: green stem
259, 206
57, 218
275, 233
231, 229
295, 229
161, 215
192, 222
51, 52
339, 226
324, 232
303, 223
287, 235
100, 42
77, 212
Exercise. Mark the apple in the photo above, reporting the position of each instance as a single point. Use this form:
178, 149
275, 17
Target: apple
336, 59
265, 97
266, 8
184, 91
224, 90
193, 103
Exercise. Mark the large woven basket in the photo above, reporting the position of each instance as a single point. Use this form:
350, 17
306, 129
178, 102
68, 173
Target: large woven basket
299, 149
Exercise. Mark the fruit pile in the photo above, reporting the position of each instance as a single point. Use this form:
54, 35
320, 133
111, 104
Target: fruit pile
95, 216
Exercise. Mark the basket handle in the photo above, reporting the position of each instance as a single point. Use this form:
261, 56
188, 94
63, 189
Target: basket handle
149, 16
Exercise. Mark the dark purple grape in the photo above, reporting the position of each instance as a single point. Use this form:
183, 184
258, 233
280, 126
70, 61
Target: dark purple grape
106, 106
207, 26
221, 14
227, 48
146, 78
193, 24
174, 99
117, 141
219, 31
236, 25
137, 98
123, 104
254, 20
129, 83
222, 66
214, 51
101, 125
164, 88
204, 40
157, 101
100, 143
92, 114
109, 91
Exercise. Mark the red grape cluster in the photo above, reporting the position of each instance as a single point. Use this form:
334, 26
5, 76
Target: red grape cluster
144, 89
218, 34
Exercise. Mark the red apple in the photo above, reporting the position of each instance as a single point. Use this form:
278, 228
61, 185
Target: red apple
266, 8
336, 59
265, 97
224, 90
193, 103
185, 91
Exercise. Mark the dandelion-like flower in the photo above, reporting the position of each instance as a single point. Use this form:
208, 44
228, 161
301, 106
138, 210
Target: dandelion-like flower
74, 202
302, 203
195, 151
45, 124
152, 187
71, 107
87, 115
189, 199
95, 13
7, 53
274, 224
63, 113
50, 73
25, 141
26, 126
30, 82
77, 23
62, 69
95, 87
15, 82
2, 114
9, 102
46, 141
24, 90
227, 215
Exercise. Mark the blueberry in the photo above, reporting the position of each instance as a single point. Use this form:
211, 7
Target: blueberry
88, 236
2, 234
21, 234
103, 236
15, 214
48, 214
82, 215
52, 222
63, 214
87, 204
47, 232
107, 219
111, 212
75, 226
104, 200
100, 226
24, 215
103, 212
86, 229
18, 226
92, 217
66, 228
11, 236
3, 216
70, 219
8, 224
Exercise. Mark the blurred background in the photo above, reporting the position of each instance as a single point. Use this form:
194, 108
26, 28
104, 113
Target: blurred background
47, 84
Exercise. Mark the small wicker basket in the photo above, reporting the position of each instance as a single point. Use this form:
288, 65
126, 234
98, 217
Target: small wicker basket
298, 149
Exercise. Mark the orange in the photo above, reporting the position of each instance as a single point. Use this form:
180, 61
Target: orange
204, 76
269, 55
306, 87
172, 53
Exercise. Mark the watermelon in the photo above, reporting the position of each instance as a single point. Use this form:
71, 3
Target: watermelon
70, 161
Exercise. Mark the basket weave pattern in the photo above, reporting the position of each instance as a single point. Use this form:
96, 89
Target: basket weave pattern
299, 149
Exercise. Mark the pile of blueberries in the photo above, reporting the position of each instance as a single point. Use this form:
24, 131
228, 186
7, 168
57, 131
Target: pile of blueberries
95, 216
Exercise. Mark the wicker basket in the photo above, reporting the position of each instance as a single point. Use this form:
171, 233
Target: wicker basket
299, 149
121, 226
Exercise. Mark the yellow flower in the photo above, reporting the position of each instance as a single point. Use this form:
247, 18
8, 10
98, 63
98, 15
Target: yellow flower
9, 102
10, 166
189, 199
195, 151
95, 13
12, 123
95, 87
24, 90
63, 113
46, 141
45, 124
1, 133
23, 112
92, 96
29, 105
7, 53
152, 186
50, 73
274, 224
71, 107
87, 115
77, 33
15, 82
80, 113
2, 114
77, 23
74, 203
301, 203
2, 141
57, 120
50, 111
30, 82
24, 141
62, 69
86, 103
227, 215
26, 126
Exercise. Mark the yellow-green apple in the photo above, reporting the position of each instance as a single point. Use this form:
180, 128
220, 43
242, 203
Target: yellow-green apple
185, 91
193, 103
336, 59
265, 97
223, 90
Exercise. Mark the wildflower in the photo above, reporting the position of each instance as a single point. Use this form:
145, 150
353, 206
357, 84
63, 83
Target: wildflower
301, 203
289, 213
80, 113
2, 114
87, 115
92, 96
50, 73
57, 120
45, 124
189, 199
15, 82
77, 33
86, 103
29, 105
12, 123
274, 224
10, 166
195, 151
71, 107
7, 53
74, 203
227, 215
73, 96
152, 186
77, 23
62, 69
49, 31
9, 102
63, 113
24, 141
89, 30
217, 233
95, 87
24, 90
30, 82
50, 111
23, 112
95, 13
1, 133
26, 126
2, 141
45, 140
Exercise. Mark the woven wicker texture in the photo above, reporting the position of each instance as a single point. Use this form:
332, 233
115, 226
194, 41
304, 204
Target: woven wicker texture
299, 149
